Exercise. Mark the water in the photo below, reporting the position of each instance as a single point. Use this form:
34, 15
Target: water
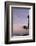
21, 32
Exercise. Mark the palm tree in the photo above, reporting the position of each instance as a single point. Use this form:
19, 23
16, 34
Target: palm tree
27, 27
28, 21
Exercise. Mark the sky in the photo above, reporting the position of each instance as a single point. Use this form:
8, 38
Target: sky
20, 18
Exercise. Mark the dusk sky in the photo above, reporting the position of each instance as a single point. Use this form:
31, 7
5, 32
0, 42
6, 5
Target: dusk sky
20, 18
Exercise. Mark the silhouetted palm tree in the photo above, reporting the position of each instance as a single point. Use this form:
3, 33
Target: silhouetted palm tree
27, 27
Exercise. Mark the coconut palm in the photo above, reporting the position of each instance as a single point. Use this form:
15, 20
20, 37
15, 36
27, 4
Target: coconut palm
27, 27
